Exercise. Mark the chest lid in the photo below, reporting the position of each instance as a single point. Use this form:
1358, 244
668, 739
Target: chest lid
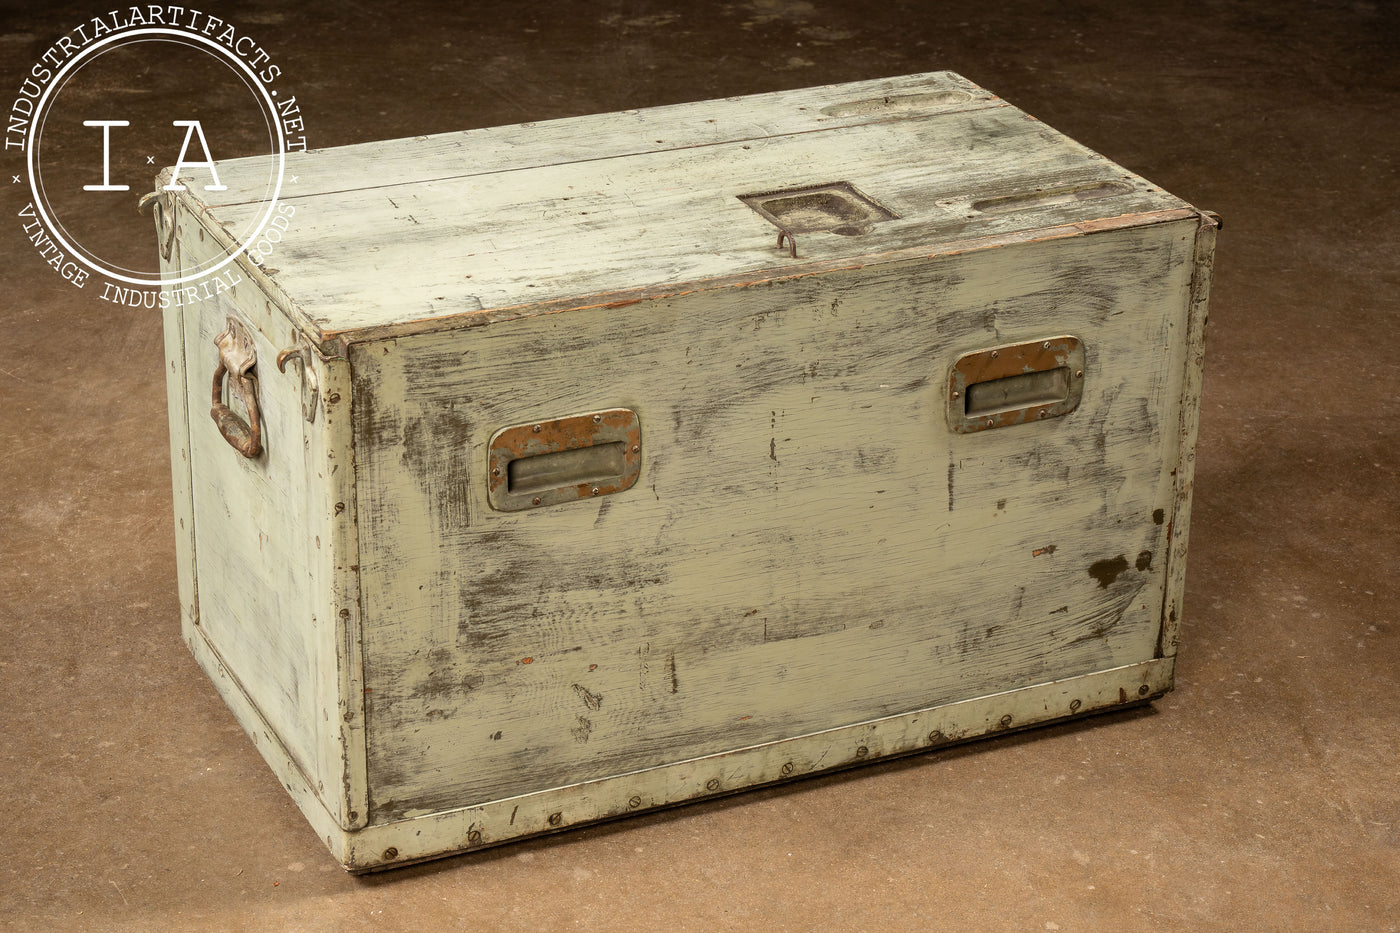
482, 226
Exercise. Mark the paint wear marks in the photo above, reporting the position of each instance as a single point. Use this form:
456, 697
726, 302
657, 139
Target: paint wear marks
593, 701
1048, 549
1106, 571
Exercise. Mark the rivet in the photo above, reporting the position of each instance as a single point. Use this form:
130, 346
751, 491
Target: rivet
862, 752
556, 818
535, 501
1042, 413
991, 422
634, 802
994, 354
787, 768
1074, 705
1142, 691
597, 419
712, 784
595, 490
495, 471
1079, 374
956, 394
636, 448
1045, 345
391, 853
538, 428
1006, 721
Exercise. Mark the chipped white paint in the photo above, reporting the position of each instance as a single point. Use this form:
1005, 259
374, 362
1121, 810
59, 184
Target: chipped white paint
811, 562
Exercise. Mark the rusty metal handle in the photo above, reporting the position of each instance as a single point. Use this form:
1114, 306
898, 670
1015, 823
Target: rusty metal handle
243, 436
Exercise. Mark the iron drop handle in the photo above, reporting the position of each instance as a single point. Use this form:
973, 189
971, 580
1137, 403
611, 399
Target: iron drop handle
236, 357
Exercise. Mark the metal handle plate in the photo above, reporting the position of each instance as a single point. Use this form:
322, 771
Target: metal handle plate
1001, 386
564, 460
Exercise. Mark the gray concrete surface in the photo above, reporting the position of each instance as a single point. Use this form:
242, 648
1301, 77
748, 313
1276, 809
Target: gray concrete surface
1264, 794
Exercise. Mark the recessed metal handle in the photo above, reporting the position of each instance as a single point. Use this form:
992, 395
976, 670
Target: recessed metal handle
564, 459
1001, 386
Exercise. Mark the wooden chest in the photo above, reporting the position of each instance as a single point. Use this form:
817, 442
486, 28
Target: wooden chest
610, 463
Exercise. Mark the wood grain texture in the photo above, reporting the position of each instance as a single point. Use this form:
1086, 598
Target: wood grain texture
808, 543
550, 142
177, 402
1195, 349
494, 221
271, 546
389, 845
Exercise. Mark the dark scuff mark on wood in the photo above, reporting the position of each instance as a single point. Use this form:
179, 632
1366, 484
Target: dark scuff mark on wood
671, 669
1158, 516
1106, 571
582, 730
593, 701
1048, 549
951, 467
1144, 561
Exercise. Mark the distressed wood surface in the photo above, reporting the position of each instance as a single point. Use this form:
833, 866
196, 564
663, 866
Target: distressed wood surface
808, 543
548, 811
273, 554
528, 145
575, 220
811, 563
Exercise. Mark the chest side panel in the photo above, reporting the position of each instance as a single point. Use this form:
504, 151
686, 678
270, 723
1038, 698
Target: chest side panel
808, 545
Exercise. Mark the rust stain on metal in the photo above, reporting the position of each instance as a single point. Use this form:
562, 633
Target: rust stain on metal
237, 357
522, 442
1061, 358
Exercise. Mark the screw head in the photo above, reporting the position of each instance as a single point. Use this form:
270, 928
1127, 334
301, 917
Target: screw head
1079, 374
391, 853
787, 768
1142, 691
474, 836
537, 428
991, 422
535, 501
595, 490
862, 752
496, 471
636, 448
1006, 721
712, 784
1042, 413
956, 394
1045, 345
994, 354
597, 419
935, 736
634, 802
556, 818
1074, 705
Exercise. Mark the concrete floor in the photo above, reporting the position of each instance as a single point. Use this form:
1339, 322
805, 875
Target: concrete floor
1264, 794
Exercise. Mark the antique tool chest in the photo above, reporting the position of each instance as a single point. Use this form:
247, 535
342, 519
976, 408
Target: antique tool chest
563, 471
